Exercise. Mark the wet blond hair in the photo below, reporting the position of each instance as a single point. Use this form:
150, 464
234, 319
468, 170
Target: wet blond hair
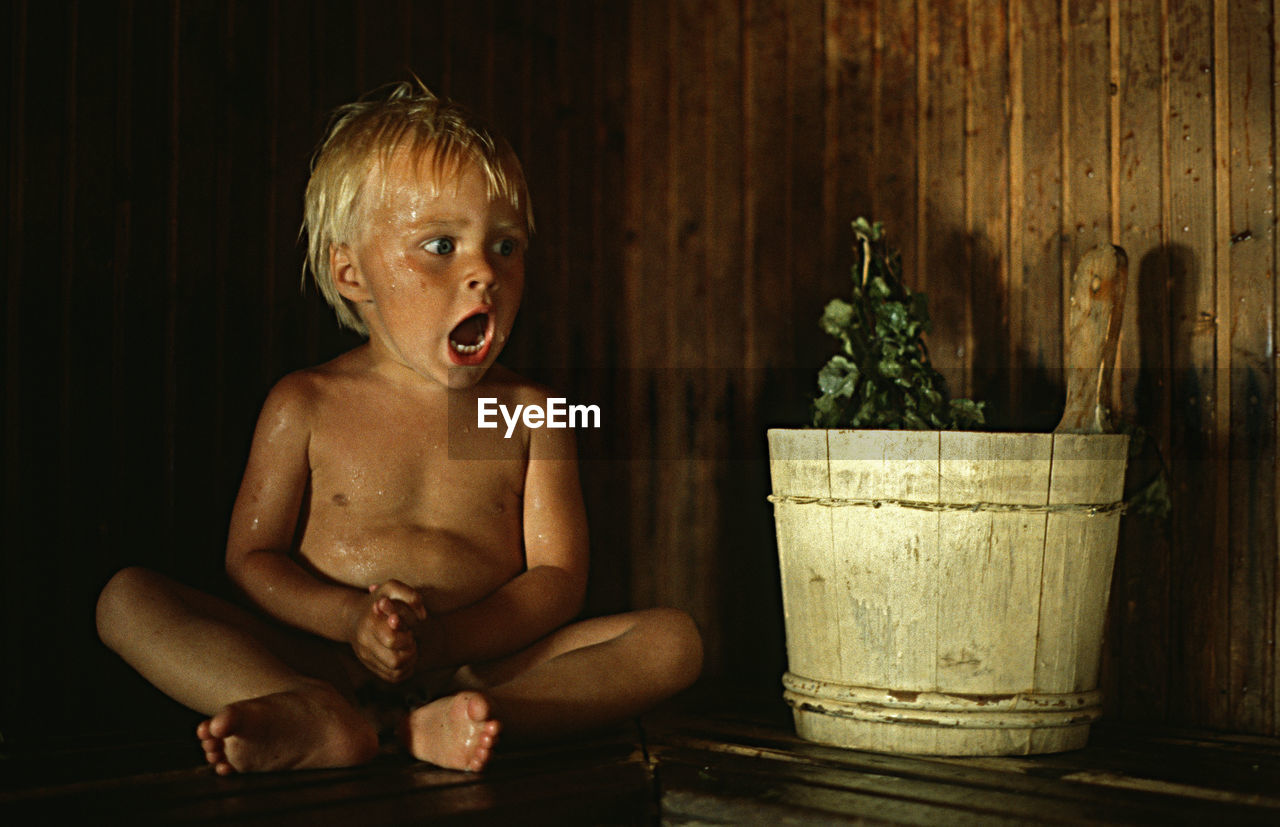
369, 132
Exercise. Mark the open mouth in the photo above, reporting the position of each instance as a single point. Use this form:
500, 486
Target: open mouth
468, 340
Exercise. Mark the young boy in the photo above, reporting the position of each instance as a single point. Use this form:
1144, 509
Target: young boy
396, 556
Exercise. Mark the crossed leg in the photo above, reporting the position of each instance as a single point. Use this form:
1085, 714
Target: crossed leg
582, 676
276, 699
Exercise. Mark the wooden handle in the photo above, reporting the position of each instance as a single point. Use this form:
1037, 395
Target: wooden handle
1093, 331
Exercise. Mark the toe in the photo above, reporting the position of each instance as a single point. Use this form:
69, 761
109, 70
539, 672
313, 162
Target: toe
220, 725
477, 707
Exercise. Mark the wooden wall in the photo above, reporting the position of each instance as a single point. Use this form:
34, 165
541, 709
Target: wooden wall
694, 167
998, 141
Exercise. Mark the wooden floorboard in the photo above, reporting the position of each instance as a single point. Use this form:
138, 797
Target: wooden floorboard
710, 765
588, 782
710, 760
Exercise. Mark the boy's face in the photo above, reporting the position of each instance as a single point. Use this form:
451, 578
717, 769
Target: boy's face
436, 269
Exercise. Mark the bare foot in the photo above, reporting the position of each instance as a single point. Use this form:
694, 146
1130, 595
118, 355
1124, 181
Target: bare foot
456, 732
307, 728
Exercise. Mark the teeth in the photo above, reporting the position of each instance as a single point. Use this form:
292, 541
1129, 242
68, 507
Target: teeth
467, 350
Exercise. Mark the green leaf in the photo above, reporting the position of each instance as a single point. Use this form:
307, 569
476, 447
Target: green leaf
839, 377
864, 229
837, 316
966, 410
826, 412
889, 368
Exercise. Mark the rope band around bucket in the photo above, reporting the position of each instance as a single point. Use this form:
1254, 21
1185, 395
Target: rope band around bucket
1087, 509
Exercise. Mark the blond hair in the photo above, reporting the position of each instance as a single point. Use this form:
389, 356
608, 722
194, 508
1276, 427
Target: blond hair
370, 131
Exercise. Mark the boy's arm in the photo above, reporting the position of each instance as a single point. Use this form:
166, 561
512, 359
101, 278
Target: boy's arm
265, 519
550, 592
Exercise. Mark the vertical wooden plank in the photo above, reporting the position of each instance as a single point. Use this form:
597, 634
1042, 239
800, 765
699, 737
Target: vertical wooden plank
1251, 371
890, 583
1197, 563
945, 271
806, 178
1137, 674
1139, 145
993, 562
1079, 551
1037, 193
852, 117
768, 233
573, 142
987, 206
1275, 408
731, 422
646, 153
1016, 302
684, 507
896, 128
768, 220
989, 647
607, 340
809, 560
1087, 156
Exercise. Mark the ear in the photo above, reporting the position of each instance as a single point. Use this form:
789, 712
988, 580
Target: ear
346, 274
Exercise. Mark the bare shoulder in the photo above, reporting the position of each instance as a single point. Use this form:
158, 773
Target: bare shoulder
290, 403
299, 396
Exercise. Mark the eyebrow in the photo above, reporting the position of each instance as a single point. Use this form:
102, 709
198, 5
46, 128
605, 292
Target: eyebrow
464, 222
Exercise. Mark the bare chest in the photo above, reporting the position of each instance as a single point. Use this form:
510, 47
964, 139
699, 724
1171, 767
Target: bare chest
411, 498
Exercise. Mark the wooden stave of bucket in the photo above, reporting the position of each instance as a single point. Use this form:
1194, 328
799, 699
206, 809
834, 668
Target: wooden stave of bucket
962, 614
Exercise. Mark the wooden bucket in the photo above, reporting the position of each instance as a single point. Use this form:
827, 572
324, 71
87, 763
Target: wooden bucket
945, 591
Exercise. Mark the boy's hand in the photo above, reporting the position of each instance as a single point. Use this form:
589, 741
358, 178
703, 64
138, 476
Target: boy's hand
383, 635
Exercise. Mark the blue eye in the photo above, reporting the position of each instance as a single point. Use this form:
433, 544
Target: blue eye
439, 246
505, 247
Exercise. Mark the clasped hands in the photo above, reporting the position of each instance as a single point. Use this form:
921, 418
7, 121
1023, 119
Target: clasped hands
393, 634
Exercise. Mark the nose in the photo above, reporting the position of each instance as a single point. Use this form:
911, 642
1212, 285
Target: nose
481, 276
